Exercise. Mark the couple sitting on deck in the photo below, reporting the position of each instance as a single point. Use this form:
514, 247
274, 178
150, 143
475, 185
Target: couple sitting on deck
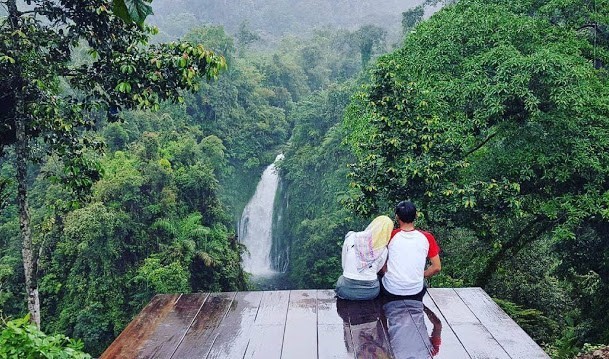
398, 256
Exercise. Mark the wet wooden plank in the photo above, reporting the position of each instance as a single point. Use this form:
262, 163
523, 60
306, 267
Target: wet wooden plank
516, 342
334, 341
235, 330
474, 336
201, 335
407, 330
450, 347
359, 311
313, 324
327, 312
273, 308
267, 333
333, 333
367, 327
265, 342
370, 340
129, 342
300, 336
168, 335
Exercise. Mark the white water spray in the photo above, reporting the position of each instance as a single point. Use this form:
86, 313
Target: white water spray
255, 227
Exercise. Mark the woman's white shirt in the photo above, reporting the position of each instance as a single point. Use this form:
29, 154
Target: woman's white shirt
350, 261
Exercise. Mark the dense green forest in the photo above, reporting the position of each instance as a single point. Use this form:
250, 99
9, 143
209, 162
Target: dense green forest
137, 156
492, 116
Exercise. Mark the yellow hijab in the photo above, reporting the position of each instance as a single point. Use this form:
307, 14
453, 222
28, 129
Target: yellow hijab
371, 242
381, 228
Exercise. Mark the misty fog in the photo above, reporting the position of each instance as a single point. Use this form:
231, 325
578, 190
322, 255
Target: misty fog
273, 19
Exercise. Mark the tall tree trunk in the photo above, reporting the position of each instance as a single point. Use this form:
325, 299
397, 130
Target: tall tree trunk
27, 251
21, 150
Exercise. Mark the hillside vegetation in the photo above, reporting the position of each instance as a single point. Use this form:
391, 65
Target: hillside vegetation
134, 159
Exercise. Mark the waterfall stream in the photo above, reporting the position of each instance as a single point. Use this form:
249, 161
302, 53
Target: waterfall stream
255, 226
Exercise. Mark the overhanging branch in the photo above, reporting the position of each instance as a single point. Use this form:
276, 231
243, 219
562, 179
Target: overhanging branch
515, 242
480, 145
588, 26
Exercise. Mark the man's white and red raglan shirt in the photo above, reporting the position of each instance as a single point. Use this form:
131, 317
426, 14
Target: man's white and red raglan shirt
408, 253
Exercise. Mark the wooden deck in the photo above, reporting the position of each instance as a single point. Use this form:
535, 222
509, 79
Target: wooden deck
454, 324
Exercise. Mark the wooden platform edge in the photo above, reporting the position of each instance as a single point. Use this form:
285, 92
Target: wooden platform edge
514, 340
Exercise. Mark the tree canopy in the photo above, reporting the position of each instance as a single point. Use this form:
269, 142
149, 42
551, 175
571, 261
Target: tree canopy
52, 96
494, 121
491, 115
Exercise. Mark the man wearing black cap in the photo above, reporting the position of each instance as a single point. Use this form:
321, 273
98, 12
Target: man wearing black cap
409, 249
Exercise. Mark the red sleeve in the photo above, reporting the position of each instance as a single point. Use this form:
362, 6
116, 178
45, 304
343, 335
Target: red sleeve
434, 249
393, 233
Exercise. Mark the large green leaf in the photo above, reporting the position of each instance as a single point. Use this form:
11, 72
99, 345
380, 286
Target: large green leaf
133, 10
120, 9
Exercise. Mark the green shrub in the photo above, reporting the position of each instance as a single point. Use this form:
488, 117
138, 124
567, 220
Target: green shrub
21, 339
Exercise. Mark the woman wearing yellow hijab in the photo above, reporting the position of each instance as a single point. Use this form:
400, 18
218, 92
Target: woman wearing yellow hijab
364, 254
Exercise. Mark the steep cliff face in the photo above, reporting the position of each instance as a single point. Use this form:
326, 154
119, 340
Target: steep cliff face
280, 250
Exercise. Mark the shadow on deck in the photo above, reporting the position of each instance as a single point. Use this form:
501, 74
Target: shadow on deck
452, 323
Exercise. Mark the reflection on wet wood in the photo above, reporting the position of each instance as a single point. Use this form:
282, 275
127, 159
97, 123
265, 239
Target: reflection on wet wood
267, 333
168, 335
334, 341
266, 342
370, 340
314, 324
234, 331
300, 336
202, 333
450, 347
327, 312
129, 342
273, 308
333, 333
368, 333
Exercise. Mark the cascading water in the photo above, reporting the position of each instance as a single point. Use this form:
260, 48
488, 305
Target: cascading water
255, 226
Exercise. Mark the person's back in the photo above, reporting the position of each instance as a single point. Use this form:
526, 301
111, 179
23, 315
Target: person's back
364, 254
408, 253
352, 265
409, 250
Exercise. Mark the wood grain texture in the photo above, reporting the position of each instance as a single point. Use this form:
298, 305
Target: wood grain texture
514, 340
266, 340
235, 330
300, 336
167, 336
333, 333
201, 335
451, 347
327, 312
474, 336
273, 308
312, 324
129, 342
334, 341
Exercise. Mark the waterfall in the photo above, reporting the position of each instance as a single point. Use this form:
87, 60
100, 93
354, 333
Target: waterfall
255, 226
